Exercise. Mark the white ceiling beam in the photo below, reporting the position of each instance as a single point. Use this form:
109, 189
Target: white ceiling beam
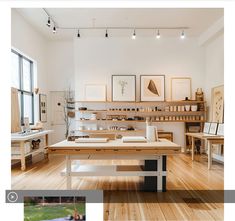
213, 31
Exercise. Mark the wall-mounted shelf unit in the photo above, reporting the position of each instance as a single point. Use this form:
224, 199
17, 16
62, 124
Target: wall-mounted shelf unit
143, 112
111, 131
137, 121
124, 114
143, 102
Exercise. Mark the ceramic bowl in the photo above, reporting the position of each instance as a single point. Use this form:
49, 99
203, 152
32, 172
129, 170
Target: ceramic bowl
193, 107
187, 107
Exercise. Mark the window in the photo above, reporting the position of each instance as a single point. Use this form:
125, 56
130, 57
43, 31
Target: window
22, 79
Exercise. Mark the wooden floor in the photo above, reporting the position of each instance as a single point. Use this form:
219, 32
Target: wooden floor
180, 202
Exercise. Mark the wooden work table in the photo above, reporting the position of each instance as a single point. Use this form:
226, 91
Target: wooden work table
153, 155
210, 140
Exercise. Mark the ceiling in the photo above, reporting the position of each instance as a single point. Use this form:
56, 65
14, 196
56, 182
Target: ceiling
198, 20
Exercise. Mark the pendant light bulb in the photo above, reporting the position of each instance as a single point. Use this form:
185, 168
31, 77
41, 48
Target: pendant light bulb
54, 30
78, 35
182, 36
158, 34
106, 34
134, 35
49, 22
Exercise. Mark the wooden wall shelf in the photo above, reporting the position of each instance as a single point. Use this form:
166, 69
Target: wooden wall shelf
143, 102
143, 112
139, 121
145, 109
111, 131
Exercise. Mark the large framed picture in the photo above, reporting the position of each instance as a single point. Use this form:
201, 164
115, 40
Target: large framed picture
181, 88
43, 107
217, 104
123, 87
95, 92
152, 87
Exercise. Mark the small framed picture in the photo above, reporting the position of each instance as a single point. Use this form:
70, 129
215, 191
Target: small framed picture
220, 130
213, 128
123, 87
206, 128
95, 92
152, 87
181, 88
43, 107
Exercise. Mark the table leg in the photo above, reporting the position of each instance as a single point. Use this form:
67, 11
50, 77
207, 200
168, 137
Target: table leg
22, 152
68, 172
193, 147
209, 155
46, 146
159, 178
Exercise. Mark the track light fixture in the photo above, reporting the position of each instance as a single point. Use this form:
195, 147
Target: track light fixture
182, 36
158, 34
106, 34
78, 35
49, 22
54, 30
134, 35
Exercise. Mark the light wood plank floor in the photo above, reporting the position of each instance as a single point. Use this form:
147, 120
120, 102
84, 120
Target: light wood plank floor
179, 203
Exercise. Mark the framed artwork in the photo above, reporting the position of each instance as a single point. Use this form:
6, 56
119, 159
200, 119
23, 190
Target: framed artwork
206, 128
213, 128
152, 87
123, 87
43, 107
217, 104
220, 130
181, 88
95, 92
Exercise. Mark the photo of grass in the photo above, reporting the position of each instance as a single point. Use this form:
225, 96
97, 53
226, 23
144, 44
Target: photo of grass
54, 208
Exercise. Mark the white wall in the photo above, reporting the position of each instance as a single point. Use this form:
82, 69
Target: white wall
96, 59
214, 66
60, 61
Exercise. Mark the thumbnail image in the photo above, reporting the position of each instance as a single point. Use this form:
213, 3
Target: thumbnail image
54, 208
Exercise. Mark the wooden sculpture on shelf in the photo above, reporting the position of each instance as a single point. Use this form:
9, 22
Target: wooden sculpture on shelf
199, 96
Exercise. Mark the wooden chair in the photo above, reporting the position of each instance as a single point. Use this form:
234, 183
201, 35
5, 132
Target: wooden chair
165, 135
103, 135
